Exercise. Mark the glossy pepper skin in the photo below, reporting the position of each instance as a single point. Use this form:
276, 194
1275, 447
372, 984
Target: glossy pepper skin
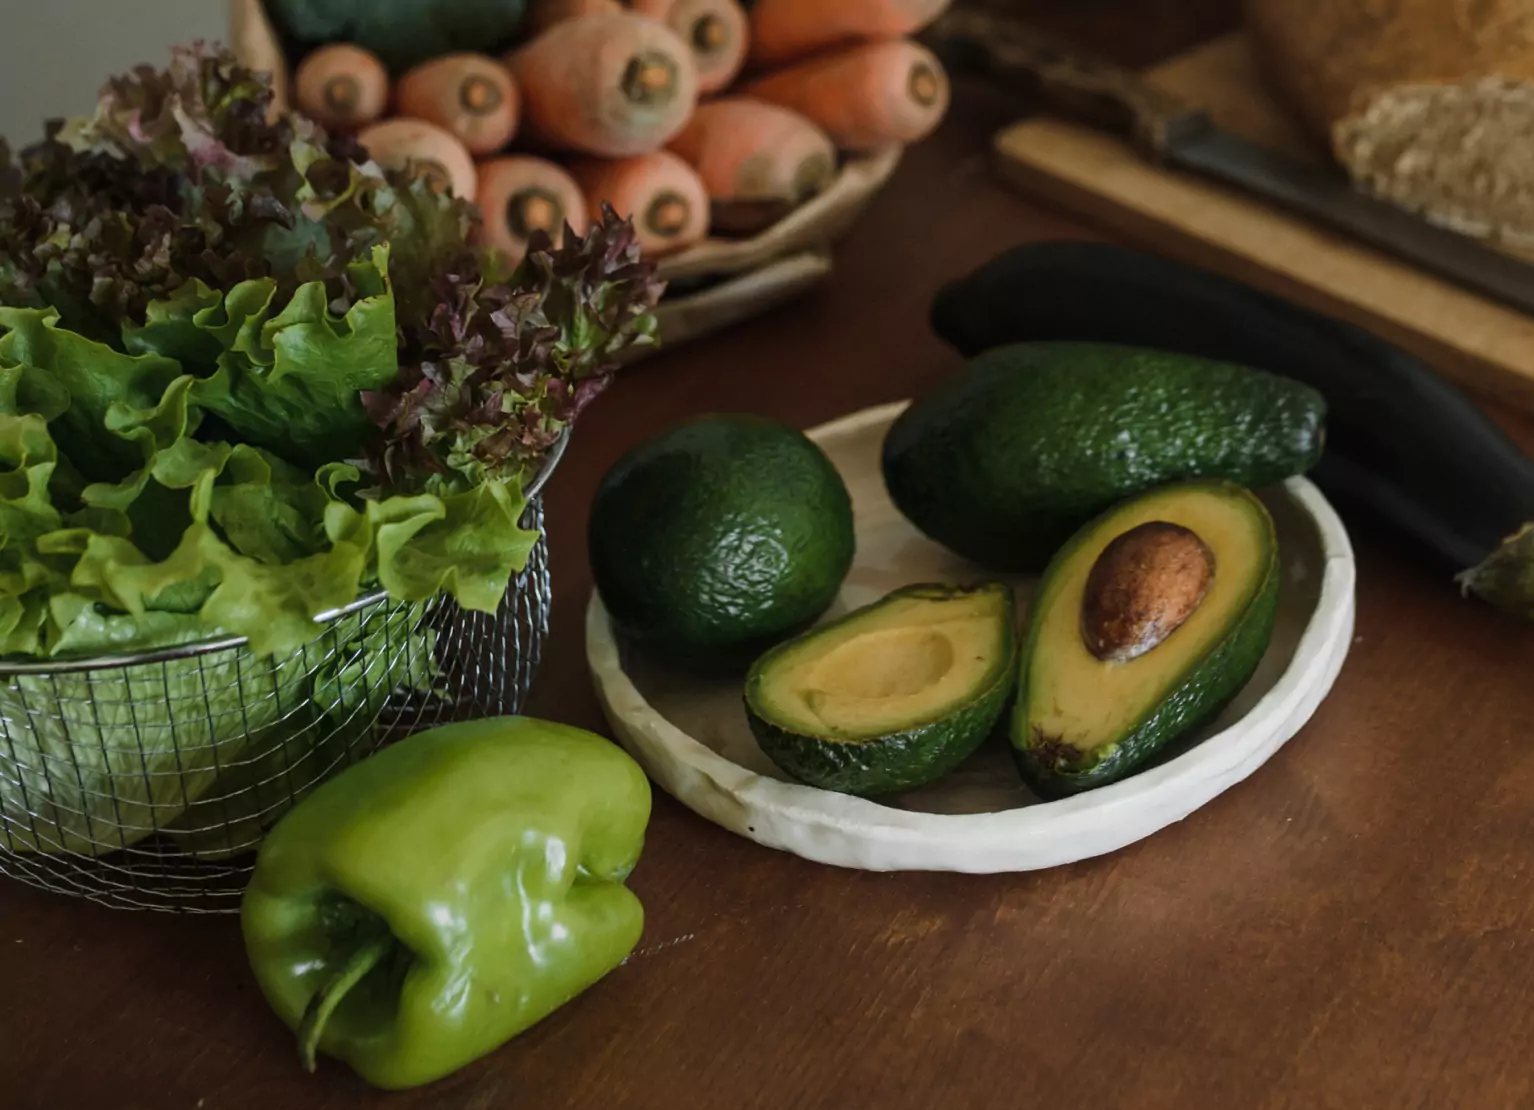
474, 872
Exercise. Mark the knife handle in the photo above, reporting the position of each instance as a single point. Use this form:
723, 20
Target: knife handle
1083, 88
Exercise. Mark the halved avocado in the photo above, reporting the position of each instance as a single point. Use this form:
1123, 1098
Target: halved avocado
890, 696
1146, 624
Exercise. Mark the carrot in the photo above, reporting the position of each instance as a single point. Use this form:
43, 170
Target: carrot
521, 195
758, 161
543, 14
864, 96
659, 191
424, 147
469, 95
786, 30
715, 29
343, 87
611, 85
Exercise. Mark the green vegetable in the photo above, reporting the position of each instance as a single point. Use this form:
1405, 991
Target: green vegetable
233, 535
365, 661
506, 368
426, 905
185, 176
97, 761
1110, 676
716, 539
1005, 462
1403, 443
890, 697
245, 377
401, 32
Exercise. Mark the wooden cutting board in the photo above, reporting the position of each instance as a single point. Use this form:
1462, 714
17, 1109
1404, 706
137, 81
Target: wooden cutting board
1484, 346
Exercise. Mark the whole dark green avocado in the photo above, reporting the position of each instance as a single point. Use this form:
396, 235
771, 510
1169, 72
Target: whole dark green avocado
720, 537
1004, 462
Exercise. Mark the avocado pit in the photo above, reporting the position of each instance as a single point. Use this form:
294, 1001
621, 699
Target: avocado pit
1146, 583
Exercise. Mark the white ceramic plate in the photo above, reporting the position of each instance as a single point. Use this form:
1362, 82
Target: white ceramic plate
692, 737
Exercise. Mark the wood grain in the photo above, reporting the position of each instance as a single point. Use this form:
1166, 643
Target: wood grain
1485, 346
1352, 928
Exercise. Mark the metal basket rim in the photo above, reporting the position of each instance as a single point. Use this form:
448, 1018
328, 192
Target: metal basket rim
227, 643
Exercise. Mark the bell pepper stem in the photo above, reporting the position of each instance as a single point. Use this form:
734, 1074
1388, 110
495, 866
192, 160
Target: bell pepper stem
363, 960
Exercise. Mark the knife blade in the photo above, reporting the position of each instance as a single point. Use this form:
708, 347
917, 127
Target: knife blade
1169, 131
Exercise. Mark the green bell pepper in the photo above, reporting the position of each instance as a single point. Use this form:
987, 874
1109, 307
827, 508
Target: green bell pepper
431, 902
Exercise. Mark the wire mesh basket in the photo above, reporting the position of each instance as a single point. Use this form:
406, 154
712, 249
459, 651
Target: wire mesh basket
146, 781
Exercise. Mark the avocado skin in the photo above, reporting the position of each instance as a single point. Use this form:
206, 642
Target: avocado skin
890, 764
896, 761
1005, 462
1405, 445
1207, 689
712, 541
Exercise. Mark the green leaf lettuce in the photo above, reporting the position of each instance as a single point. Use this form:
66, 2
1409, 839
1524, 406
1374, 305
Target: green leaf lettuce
248, 376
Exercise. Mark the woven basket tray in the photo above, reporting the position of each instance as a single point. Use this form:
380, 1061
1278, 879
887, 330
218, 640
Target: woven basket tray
717, 283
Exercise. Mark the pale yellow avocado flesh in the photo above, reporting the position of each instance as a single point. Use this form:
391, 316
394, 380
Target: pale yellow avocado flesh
907, 661
1087, 702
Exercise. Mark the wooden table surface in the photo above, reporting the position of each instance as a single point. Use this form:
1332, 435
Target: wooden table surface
1353, 927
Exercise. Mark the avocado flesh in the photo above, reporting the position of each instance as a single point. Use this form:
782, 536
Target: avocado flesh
1082, 722
890, 696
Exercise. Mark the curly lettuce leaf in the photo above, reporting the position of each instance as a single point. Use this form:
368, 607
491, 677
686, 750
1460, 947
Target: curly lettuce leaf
204, 111
270, 510
184, 184
186, 176
28, 458
288, 379
495, 374
257, 374
93, 376
466, 544
243, 540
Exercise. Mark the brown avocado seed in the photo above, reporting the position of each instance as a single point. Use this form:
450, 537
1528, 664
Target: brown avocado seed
1144, 585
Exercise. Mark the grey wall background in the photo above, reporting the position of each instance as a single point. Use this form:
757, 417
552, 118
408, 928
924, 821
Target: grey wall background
54, 54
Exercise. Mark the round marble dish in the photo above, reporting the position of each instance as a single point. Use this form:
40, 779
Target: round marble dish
691, 734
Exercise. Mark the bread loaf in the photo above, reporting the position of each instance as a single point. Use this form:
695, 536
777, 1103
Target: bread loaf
1427, 103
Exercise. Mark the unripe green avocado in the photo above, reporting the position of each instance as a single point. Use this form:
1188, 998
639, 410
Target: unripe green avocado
1003, 463
719, 538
